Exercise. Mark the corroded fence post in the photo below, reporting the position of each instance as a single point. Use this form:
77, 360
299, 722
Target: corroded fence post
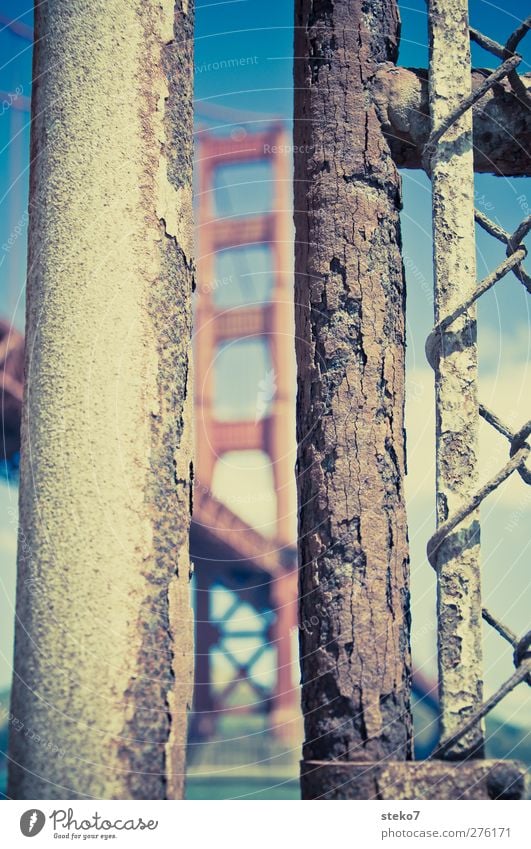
349, 312
454, 356
104, 656
349, 294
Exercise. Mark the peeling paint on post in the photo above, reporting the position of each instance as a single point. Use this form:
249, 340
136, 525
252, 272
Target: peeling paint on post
353, 551
458, 569
104, 655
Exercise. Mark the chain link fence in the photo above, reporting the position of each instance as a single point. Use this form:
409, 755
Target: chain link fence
451, 350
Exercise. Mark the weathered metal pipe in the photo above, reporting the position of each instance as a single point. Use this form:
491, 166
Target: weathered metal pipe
350, 326
457, 557
104, 657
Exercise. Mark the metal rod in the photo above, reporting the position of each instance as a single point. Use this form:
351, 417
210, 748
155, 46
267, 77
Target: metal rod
447, 745
17, 27
103, 647
487, 283
457, 556
472, 502
464, 105
349, 291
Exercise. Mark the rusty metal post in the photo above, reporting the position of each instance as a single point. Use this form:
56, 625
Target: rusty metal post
349, 293
454, 357
350, 347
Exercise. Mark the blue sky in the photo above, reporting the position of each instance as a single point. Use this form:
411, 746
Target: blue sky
259, 35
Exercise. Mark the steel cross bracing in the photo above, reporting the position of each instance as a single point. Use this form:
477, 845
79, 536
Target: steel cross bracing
453, 550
